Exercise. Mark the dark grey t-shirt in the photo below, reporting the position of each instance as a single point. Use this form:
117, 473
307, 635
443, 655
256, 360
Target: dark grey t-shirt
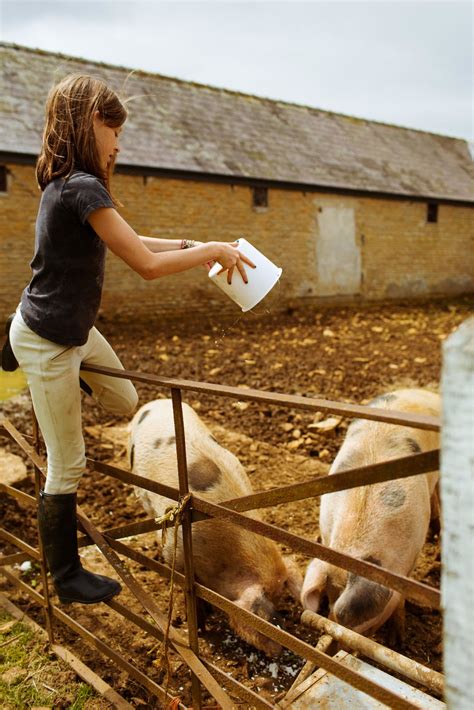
63, 297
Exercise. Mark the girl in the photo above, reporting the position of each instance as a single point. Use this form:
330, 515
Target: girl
53, 330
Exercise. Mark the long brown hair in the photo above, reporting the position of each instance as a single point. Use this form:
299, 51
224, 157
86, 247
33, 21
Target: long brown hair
68, 137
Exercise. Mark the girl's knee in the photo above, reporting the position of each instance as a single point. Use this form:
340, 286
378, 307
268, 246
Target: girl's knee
122, 403
132, 403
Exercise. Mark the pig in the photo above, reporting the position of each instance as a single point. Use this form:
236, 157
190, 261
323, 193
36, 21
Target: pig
240, 565
385, 523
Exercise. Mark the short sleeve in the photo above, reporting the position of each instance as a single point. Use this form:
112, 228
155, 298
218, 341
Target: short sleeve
83, 193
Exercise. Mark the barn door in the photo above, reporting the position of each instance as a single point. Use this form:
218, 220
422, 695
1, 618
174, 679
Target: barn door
337, 252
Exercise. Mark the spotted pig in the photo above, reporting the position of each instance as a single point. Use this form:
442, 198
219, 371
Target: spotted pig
238, 564
385, 524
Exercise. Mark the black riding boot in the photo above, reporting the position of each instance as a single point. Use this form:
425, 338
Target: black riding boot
58, 530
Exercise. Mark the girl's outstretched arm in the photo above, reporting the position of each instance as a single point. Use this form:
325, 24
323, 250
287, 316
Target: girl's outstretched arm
123, 241
156, 244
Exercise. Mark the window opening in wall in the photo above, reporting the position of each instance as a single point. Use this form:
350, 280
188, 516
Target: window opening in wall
260, 197
432, 212
3, 178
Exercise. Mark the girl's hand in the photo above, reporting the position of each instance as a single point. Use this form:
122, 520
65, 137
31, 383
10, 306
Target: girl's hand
230, 257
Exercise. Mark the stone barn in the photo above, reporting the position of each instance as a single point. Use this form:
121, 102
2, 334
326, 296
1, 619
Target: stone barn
351, 209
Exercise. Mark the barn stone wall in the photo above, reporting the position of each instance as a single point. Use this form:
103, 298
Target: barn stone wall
330, 246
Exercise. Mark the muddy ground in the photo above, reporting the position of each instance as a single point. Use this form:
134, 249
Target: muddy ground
346, 354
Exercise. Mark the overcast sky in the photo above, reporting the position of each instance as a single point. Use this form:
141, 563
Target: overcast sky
404, 62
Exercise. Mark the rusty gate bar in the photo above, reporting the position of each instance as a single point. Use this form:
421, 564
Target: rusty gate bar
407, 586
253, 700
179, 643
134, 480
86, 673
148, 562
14, 559
94, 641
91, 678
412, 465
165, 571
144, 526
156, 633
300, 647
423, 462
181, 647
19, 495
416, 421
43, 567
23, 443
8, 537
419, 673
370, 648
202, 509
190, 596
304, 649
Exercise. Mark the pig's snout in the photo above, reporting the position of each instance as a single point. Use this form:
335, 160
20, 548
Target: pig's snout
263, 608
254, 600
277, 619
363, 604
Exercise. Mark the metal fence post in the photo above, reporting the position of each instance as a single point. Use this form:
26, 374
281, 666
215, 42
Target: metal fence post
189, 590
44, 569
457, 499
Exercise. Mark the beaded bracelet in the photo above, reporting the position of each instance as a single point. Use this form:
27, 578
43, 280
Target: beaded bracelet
187, 243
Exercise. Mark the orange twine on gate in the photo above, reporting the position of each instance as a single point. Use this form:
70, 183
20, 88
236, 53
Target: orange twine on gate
172, 515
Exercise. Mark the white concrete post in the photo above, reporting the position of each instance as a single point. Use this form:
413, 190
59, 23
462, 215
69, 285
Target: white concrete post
457, 502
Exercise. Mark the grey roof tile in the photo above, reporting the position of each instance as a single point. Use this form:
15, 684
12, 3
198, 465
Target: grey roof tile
185, 126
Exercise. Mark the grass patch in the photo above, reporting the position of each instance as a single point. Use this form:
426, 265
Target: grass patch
32, 677
11, 383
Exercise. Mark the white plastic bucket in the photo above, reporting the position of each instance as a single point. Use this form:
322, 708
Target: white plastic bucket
261, 280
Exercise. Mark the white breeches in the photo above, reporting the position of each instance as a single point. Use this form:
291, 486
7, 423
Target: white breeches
52, 373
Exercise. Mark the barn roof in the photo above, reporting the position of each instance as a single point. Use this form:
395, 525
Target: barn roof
183, 126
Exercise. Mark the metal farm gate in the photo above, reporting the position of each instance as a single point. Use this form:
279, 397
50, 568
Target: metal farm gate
228, 692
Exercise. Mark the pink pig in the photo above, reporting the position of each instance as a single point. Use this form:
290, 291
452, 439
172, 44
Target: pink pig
385, 523
238, 564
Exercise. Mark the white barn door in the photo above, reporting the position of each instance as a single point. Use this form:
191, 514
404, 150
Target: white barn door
337, 252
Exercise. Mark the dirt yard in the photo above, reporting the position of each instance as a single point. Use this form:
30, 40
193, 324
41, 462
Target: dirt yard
345, 354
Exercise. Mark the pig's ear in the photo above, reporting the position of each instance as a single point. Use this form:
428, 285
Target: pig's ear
294, 579
314, 584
